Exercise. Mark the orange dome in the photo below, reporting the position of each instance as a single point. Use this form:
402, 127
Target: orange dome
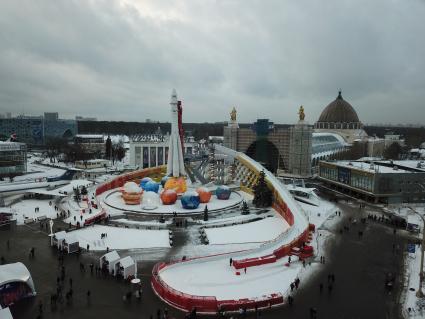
204, 194
176, 183
168, 197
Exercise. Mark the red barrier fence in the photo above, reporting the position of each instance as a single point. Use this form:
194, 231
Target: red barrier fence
122, 179
96, 218
250, 262
208, 305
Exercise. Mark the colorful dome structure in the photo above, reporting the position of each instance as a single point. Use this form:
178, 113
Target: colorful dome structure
150, 200
204, 194
151, 186
168, 197
176, 183
144, 181
223, 192
131, 193
190, 200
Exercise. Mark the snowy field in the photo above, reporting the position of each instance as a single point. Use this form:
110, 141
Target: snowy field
412, 264
114, 199
25, 209
259, 231
121, 238
217, 278
74, 183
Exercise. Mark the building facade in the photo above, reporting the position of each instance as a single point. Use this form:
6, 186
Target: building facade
378, 181
13, 159
37, 129
92, 144
152, 150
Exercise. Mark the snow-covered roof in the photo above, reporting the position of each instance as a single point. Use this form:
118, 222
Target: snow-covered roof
60, 235
14, 272
111, 256
70, 239
126, 262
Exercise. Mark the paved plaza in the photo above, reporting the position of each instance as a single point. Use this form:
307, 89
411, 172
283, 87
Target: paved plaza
360, 266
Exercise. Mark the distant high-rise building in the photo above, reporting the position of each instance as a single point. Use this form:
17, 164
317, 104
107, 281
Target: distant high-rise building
36, 129
51, 116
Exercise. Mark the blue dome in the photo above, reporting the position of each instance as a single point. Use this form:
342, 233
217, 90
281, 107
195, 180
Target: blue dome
144, 181
190, 200
151, 186
164, 180
223, 192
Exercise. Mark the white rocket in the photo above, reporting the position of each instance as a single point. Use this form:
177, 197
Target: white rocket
175, 165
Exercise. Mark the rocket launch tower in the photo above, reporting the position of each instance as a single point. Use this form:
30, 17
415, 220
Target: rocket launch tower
175, 165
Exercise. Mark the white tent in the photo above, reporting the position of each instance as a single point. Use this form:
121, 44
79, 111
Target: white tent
58, 238
108, 260
15, 283
70, 243
125, 267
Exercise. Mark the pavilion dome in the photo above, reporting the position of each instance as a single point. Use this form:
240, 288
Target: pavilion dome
339, 111
339, 114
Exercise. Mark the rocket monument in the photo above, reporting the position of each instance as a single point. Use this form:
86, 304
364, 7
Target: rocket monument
175, 165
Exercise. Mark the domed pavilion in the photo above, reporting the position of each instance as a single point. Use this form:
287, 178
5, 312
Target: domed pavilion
341, 118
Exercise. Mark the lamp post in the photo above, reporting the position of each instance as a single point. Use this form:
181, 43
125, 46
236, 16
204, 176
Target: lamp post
51, 232
420, 293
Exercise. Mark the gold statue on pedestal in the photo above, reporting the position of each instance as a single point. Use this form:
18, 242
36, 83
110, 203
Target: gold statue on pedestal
301, 113
233, 115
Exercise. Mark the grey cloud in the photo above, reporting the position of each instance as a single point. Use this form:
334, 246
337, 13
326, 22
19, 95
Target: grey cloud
102, 58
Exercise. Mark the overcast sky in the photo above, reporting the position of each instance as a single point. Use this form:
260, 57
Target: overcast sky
120, 59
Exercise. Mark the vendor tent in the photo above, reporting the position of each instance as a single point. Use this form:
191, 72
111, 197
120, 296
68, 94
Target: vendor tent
125, 267
58, 238
108, 260
70, 243
15, 283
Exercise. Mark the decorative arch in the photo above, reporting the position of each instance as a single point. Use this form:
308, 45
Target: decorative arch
266, 153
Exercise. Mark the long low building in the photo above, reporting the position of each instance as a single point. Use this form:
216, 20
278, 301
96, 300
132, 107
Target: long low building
378, 181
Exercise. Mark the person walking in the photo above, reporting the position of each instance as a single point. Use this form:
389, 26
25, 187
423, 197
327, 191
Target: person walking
230, 262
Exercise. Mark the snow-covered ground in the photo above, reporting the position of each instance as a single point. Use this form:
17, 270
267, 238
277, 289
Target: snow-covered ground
121, 238
217, 278
26, 209
74, 183
417, 306
259, 231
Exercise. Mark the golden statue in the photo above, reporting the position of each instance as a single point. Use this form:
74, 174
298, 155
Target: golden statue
301, 113
233, 115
